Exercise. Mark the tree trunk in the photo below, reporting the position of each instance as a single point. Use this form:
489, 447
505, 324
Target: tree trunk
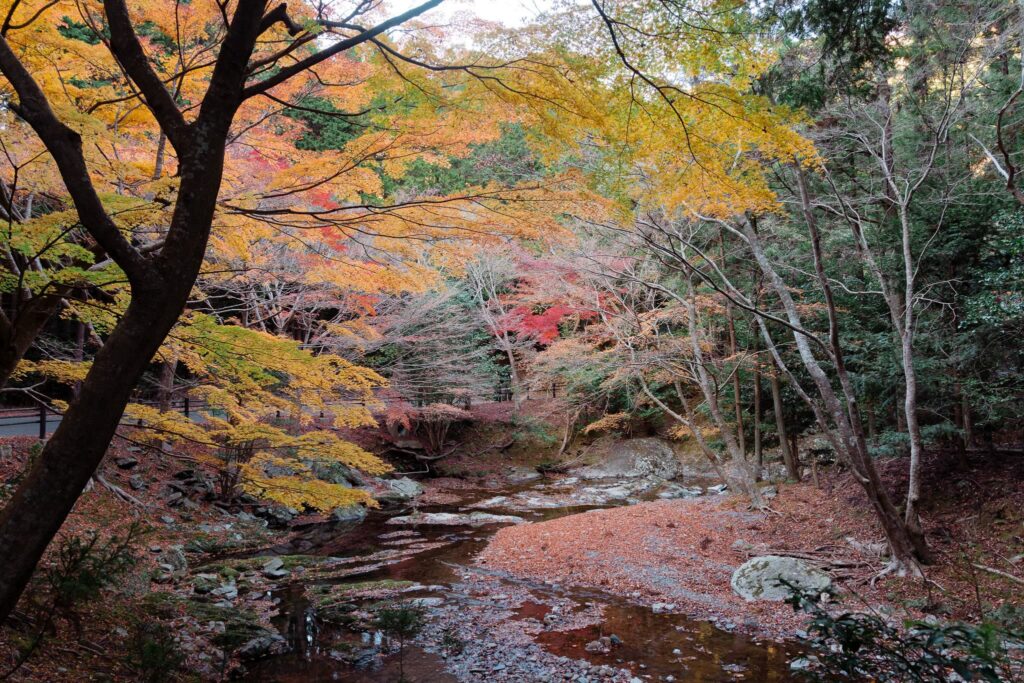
911, 514
758, 449
906, 549
740, 468
794, 448
167, 375
19, 332
872, 431
788, 453
737, 397
517, 386
43, 500
81, 332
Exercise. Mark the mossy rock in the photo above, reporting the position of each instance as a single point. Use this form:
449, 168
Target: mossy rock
368, 586
240, 625
254, 564
336, 602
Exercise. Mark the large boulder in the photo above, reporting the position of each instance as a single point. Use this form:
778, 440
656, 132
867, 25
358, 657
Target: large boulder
765, 578
672, 491
456, 519
647, 457
335, 472
350, 514
396, 491
405, 487
521, 475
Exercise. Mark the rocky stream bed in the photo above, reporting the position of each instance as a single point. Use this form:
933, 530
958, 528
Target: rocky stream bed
481, 624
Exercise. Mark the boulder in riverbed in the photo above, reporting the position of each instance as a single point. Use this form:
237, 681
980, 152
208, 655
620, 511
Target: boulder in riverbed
519, 475
456, 519
351, 514
266, 644
672, 491
765, 578
398, 491
647, 457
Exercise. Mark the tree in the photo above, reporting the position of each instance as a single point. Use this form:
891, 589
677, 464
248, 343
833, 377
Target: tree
256, 50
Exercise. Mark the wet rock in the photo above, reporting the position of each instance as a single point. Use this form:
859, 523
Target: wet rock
261, 646
456, 519
351, 514
674, 491
126, 462
637, 458
275, 516
662, 607
496, 502
801, 664
762, 578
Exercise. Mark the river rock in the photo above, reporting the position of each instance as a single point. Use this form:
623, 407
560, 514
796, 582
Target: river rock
274, 569
276, 516
267, 644
334, 472
519, 475
673, 491
352, 514
457, 519
427, 602
760, 578
399, 491
636, 458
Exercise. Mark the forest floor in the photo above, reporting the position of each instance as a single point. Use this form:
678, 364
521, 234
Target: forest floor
102, 638
677, 552
683, 552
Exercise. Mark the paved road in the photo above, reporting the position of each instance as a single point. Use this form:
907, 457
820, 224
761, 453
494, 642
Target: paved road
26, 422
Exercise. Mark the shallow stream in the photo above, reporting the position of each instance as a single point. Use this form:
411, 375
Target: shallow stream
653, 646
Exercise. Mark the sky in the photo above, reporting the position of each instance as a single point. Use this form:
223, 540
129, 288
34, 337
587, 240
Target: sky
508, 12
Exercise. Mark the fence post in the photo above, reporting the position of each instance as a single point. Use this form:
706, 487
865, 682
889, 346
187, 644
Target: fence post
186, 408
42, 421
